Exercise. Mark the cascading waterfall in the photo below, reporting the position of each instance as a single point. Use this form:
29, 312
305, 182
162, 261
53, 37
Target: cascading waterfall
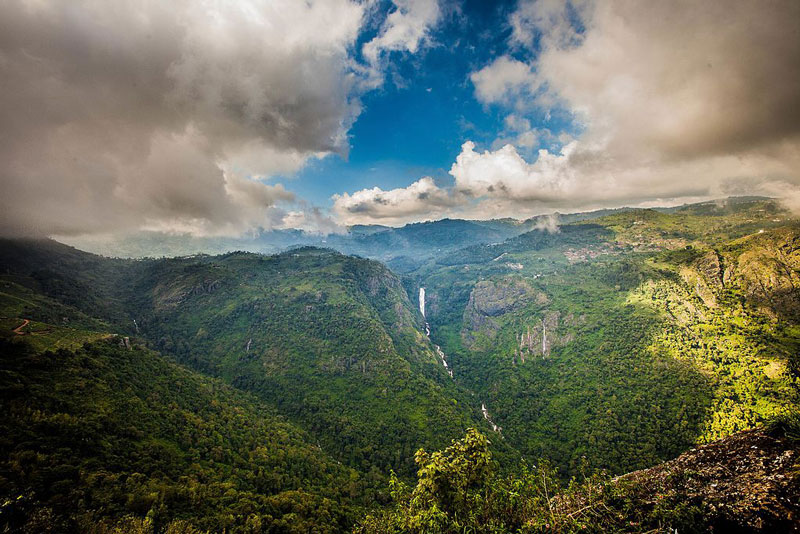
444, 360
488, 418
544, 338
439, 351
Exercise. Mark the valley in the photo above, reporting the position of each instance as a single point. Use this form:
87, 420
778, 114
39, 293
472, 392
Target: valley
289, 392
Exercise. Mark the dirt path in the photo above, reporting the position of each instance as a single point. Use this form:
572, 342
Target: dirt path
18, 330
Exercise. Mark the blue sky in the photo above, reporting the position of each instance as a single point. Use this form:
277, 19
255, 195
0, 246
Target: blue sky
415, 123
231, 116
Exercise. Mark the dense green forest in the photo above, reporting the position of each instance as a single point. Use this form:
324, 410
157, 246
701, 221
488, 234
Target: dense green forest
660, 330
103, 432
292, 392
331, 341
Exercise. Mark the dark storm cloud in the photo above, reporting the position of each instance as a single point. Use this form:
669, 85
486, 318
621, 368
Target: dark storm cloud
158, 114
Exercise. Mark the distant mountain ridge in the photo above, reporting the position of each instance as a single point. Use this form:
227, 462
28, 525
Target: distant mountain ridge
613, 342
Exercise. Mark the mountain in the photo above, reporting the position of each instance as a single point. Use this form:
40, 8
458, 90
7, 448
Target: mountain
298, 391
625, 340
331, 341
404, 248
416, 241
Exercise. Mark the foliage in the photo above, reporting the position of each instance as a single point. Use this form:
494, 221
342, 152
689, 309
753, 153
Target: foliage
331, 341
666, 328
615, 342
93, 435
457, 491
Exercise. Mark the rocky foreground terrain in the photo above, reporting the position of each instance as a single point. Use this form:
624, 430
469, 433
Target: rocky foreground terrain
749, 482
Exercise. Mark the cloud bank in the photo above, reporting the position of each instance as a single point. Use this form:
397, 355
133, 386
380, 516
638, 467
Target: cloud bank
674, 100
172, 115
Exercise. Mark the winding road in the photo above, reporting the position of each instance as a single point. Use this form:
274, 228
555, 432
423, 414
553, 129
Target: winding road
18, 330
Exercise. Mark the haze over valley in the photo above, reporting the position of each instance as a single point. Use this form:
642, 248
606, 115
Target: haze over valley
403, 266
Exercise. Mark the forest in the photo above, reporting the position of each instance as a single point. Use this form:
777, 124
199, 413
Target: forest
299, 392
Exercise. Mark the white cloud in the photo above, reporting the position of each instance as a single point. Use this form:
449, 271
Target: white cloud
173, 115
313, 220
422, 198
404, 30
678, 101
505, 174
503, 80
550, 20
679, 79
131, 113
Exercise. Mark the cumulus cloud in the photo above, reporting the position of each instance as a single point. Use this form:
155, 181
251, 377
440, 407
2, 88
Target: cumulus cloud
167, 114
504, 173
503, 80
677, 98
422, 199
405, 29
313, 220
552, 22
675, 101
680, 79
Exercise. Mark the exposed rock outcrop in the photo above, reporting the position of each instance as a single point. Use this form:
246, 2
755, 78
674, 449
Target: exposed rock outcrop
490, 300
767, 269
764, 267
542, 335
749, 482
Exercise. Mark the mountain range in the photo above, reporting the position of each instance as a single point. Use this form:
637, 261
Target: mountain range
287, 383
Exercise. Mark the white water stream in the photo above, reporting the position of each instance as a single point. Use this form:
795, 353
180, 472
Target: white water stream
439, 351
489, 418
443, 357
544, 338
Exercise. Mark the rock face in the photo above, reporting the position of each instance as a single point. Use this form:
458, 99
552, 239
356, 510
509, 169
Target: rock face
544, 334
709, 265
490, 300
749, 482
384, 286
764, 267
767, 269
705, 277
177, 291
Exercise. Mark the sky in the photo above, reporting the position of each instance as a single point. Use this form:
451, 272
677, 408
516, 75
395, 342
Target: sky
222, 118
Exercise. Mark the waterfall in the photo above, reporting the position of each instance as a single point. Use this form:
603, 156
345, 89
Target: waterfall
544, 338
489, 418
422, 301
444, 359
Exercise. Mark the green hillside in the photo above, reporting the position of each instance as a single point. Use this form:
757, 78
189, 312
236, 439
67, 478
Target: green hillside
660, 330
96, 434
287, 389
332, 341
